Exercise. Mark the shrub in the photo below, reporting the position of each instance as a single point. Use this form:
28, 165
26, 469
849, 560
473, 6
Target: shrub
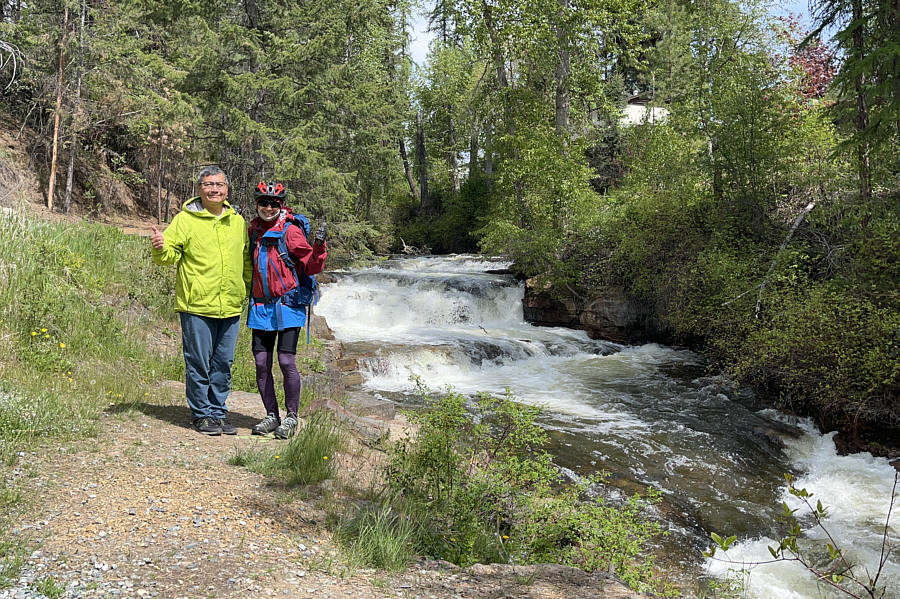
825, 350
480, 488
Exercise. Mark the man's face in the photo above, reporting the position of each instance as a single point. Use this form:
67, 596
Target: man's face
213, 189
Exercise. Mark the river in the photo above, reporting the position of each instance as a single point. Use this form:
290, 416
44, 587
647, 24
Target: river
651, 415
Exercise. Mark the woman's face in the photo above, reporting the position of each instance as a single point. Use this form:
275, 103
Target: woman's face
268, 208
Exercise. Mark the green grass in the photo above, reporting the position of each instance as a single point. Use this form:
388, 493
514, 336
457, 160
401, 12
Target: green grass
48, 587
377, 536
12, 553
306, 459
79, 304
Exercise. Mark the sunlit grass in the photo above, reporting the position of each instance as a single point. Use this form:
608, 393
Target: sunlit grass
86, 323
306, 459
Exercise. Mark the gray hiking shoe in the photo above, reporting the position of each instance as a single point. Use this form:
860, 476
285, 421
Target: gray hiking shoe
288, 427
267, 425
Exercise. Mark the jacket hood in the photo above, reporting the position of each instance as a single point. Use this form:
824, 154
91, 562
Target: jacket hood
194, 205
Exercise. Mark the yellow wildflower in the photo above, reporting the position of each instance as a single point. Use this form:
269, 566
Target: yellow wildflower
33, 333
61, 344
47, 336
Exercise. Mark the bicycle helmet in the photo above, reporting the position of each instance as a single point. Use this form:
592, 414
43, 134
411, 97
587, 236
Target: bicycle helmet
271, 189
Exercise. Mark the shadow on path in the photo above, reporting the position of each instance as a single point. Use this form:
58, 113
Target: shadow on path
178, 415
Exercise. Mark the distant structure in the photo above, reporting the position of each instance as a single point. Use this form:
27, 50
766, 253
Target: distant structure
638, 111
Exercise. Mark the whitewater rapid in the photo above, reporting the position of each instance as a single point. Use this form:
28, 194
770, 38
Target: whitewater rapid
651, 415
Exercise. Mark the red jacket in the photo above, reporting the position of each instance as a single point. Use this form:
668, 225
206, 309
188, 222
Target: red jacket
311, 257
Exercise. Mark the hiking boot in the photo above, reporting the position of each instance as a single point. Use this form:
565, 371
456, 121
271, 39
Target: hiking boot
207, 426
288, 427
267, 425
227, 428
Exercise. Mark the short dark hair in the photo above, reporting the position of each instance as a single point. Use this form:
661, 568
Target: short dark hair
209, 171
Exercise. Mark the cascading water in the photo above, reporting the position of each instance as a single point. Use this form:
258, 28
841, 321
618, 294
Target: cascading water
649, 415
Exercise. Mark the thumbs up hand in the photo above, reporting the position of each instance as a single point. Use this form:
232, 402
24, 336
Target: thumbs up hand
156, 239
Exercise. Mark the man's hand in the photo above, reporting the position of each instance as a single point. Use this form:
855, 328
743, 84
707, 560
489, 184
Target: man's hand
156, 239
321, 234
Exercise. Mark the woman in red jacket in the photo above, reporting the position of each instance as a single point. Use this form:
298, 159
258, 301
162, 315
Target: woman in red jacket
274, 316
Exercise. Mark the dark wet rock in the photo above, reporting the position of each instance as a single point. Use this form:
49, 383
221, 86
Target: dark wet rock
769, 435
606, 313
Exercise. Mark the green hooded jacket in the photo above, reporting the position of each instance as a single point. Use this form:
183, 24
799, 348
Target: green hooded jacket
213, 259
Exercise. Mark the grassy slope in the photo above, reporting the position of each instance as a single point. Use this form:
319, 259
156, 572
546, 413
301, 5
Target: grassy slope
86, 321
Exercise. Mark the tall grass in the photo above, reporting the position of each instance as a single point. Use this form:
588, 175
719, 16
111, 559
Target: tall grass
376, 535
79, 306
83, 312
306, 459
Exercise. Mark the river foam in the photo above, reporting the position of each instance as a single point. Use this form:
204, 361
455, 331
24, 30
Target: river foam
856, 491
650, 415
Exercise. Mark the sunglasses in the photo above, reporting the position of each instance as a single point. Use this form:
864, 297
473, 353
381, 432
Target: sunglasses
268, 203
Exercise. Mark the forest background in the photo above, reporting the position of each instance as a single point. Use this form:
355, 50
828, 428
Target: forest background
757, 221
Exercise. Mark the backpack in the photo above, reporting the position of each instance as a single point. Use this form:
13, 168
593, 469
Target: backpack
275, 276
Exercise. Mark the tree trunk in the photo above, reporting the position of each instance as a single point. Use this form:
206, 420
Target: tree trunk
59, 84
489, 156
76, 112
862, 108
159, 177
168, 202
563, 68
425, 202
413, 188
473, 153
452, 158
70, 172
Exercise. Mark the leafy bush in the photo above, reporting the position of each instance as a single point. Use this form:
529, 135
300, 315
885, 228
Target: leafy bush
825, 350
480, 489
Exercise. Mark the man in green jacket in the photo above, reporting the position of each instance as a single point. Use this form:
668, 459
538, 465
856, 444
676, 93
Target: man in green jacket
208, 242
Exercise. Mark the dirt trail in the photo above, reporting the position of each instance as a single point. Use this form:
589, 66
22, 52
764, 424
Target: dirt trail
153, 509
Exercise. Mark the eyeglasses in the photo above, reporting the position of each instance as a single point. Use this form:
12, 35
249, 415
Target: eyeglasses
211, 184
268, 203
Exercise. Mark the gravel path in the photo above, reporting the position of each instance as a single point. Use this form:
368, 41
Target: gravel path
153, 509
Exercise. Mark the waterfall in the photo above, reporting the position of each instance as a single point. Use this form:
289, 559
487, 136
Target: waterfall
650, 415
